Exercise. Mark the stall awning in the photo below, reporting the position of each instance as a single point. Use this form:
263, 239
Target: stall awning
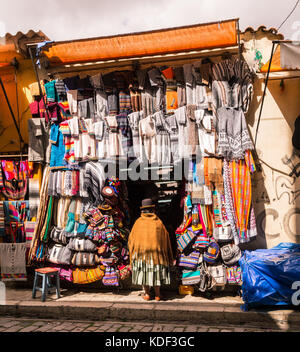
164, 41
286, 57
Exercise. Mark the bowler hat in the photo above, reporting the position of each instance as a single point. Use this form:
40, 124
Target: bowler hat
147, 203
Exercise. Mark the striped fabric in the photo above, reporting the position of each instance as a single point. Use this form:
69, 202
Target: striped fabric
86, 276
13, 277
150, 274
230, 212
124, 127
250, 161
190, 261
234, 275
1, 178
2, 220
29, 231
190, 277
124, 102
184, 240
94, 179
201, 241
110, 277
217, 210
242, 196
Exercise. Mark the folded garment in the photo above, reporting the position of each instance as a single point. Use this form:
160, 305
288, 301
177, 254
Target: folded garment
51, 91
34, 109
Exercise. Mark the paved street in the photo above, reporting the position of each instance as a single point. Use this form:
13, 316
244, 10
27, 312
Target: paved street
13, 324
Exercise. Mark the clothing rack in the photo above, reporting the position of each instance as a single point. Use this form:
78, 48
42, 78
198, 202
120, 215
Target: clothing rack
204, 55
13, 156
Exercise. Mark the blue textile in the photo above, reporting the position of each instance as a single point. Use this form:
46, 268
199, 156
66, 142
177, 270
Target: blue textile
57, 147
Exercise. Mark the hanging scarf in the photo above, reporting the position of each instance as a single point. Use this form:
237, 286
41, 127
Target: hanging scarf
241, 192
229, 206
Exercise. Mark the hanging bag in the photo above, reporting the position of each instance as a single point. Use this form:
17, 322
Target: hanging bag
82, 245
218, 272
230, 254
212, 253
85, 259
190, 277
59, 254
234, 275
201, 241
184, 240
189, 261
58, 235
206, 282
110, 277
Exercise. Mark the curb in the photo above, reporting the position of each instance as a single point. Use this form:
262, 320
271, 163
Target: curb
214, 314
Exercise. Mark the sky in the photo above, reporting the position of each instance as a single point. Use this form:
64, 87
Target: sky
75, 19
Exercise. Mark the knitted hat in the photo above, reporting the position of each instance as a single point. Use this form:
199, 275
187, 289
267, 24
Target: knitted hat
104, 207
115, 247
109, 195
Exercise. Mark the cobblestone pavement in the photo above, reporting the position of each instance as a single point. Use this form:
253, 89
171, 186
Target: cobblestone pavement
13, 324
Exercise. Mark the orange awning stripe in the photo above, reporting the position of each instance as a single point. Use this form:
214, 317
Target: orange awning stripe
165, 41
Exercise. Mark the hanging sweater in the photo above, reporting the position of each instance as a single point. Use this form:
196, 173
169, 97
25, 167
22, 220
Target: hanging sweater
94, 180
234, 138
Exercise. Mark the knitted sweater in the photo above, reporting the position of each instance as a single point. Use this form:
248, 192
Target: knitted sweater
94, 179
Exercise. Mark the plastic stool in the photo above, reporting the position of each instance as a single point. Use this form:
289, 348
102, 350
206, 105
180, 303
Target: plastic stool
46, 273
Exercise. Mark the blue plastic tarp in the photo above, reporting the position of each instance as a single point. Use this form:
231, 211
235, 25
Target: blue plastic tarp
269, 275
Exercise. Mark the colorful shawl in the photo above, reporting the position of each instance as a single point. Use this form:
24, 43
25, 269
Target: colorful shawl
241, 192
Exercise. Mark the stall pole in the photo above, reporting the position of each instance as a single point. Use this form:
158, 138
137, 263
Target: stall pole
240, 61
11, 111
265, 90
38, 80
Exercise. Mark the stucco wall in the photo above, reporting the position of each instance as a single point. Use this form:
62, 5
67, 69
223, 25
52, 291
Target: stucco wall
276, 194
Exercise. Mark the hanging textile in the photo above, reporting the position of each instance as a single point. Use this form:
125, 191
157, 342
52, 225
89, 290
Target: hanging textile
12, 258
242, 196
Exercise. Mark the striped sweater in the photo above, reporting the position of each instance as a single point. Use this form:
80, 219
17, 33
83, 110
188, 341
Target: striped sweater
94, 179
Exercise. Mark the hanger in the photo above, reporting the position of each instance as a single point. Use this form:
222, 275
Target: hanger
206, 60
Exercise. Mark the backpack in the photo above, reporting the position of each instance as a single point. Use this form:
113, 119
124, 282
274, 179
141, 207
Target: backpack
212, 253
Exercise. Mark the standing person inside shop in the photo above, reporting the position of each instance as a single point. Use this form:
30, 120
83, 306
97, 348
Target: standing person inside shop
150, 251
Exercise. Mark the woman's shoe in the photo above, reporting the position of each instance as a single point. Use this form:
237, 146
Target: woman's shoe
146, 297
157, 298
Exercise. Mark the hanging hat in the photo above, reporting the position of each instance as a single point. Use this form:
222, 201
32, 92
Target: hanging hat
109, 195
104, 207
147, 203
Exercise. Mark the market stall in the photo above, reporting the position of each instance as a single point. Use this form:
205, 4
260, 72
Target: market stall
151, 118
